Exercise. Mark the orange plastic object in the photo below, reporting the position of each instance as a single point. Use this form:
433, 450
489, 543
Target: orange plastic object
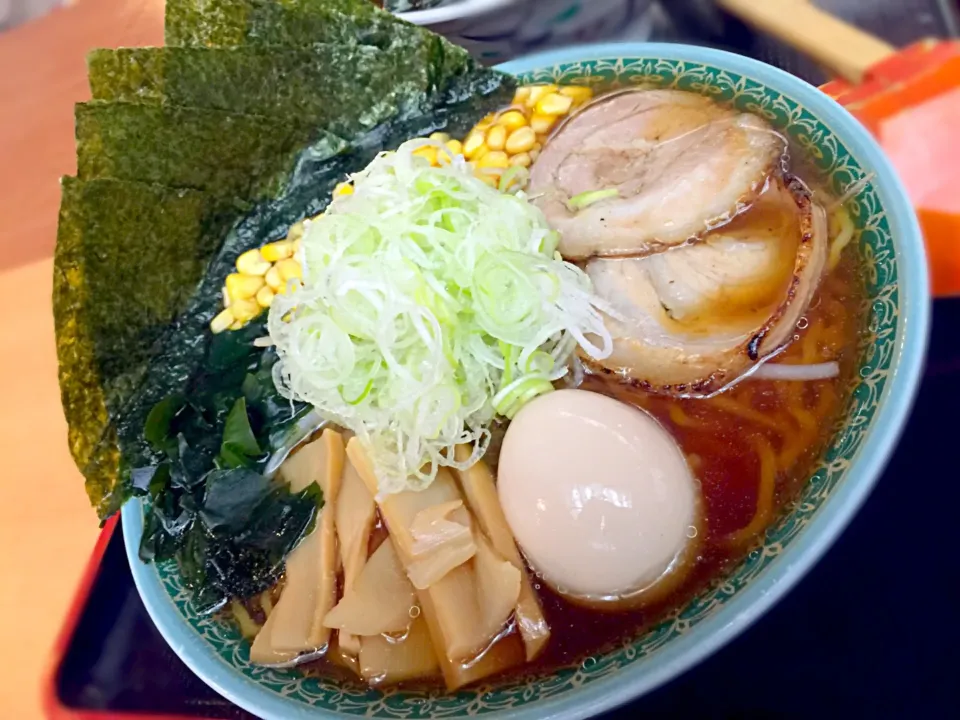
911, 103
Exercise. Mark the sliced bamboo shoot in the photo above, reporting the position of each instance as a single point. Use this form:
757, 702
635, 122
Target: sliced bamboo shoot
440, 543
356, 513
450, 606
499, 584
387, 661
311, 580
380, 601
481, 493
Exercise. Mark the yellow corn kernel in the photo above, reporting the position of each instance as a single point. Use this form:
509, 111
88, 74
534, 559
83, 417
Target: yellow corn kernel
344, 188
226, 296
496, 137
490, 178
439, 136
289, 269
577, 93
542, 124
245, 310
512, 119
236, 325
455, 147
428, 152
537, 92
554, 104
534, 154
521, 140
521, 96
274, 281
280, 250
252, 263
242, 287
264, 296
522, 159
484, 123
294, 233
472, 144
494, 159
222, 321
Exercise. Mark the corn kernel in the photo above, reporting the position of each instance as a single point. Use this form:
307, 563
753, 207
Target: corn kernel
264, 297
534, 154
522, 159
484, 123
252, 263
554, 104
245, 310
490, 178
428, 152
344, 188
542, 124
455, 147
236, 325
439, 136
280, 250
537, 92
521, 96
294, 233
496, 137
577, 93
289, 269
226, 296
472, 144
274, 281
512, 119
242, 287
521, 140
494, 159
222, 321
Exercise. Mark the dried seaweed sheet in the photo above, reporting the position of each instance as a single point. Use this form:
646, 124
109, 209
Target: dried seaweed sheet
276, 82
227, 155
129, 257
227, 23
185, 343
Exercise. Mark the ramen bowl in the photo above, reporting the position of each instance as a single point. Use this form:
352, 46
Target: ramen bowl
891, 351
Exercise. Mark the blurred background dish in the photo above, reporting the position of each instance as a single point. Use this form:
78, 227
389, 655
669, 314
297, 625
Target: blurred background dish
498, 30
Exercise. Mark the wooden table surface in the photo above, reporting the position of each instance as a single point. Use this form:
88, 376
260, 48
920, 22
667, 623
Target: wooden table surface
47, 528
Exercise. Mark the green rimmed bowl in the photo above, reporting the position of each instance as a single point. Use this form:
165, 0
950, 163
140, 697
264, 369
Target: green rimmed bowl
891, 355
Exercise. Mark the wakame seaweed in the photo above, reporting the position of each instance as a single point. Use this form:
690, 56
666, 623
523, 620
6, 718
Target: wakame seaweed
212, 509
293, 83
227, 23
112, 303
228, 155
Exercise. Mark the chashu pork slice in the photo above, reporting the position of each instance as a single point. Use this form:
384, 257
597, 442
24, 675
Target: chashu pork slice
680, 164
694, 318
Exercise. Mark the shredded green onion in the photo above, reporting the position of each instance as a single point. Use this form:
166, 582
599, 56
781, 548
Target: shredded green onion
585, 199
430, 303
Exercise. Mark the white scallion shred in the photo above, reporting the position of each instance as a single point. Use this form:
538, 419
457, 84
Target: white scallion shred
430, 303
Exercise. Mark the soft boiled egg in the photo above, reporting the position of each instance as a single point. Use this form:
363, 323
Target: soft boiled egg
600, 499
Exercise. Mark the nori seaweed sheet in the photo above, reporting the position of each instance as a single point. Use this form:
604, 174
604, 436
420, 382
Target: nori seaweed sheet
129, 257
228, 23
184, 346
227, 155
139, 267
275, 82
